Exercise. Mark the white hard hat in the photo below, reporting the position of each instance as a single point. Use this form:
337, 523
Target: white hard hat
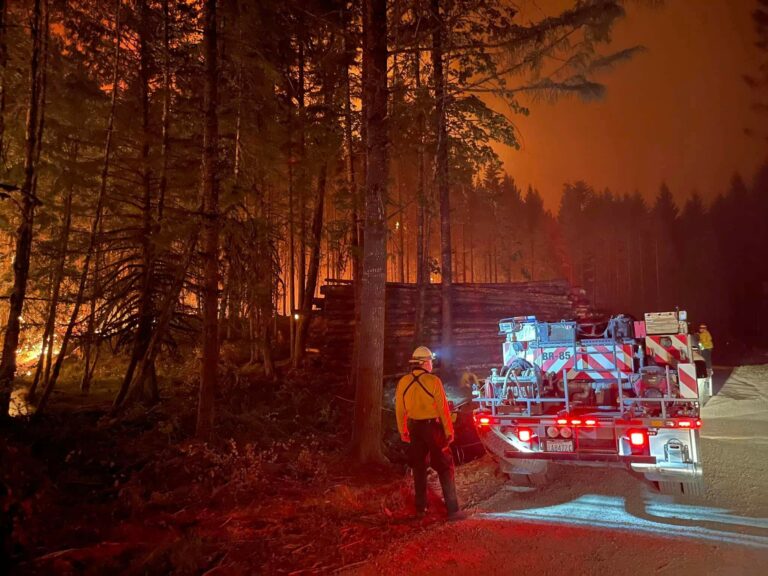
421, 354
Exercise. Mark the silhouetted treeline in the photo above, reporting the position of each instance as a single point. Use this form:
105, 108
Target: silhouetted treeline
707, 258
632, 255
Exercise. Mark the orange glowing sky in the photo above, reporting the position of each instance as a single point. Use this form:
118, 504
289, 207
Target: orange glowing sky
674, 113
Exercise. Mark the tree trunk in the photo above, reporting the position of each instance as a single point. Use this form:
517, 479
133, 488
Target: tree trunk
441, 182
641, 264
146, 312
366, 435
89, 358
44, 364
166, 121
39, 145
24, 232
267, 311
422, 247
314, 266
210, 194
658, 276
292, 261
51, 382
354, 228
90, 366
3, 65
471, 257
303, 183
41, 359
145, 369
401, 234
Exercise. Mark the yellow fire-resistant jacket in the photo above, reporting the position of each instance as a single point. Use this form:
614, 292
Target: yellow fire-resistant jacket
421, 403
705, 340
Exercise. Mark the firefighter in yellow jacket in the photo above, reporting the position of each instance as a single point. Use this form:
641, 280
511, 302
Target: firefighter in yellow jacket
706, 345
424, 422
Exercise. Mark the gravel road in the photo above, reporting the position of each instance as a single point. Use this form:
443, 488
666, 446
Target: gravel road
606, 521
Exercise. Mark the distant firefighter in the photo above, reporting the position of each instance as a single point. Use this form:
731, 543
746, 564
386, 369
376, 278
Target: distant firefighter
706, 345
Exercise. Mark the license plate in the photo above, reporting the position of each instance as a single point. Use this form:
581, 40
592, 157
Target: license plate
558, 446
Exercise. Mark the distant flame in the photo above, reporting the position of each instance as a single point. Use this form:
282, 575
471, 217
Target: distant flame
19, 405
29, 353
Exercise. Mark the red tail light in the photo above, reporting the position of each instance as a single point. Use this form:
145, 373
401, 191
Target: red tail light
637, 438
575, 421
689, 423
590, 422
524, 434
483, 420
562, 421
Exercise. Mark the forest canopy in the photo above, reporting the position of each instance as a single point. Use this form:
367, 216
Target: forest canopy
172, 169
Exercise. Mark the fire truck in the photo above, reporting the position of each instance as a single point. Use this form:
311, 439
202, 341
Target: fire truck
625, 395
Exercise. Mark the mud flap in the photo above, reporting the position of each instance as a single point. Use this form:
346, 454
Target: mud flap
523, 466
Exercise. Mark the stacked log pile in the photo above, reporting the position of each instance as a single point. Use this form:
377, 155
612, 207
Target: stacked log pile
477, 311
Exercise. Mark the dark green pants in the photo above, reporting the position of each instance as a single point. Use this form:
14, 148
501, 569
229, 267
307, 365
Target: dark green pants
430, 447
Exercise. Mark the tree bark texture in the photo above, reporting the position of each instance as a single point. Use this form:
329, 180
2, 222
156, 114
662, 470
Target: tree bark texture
166, 121
303, 181
24, 232
366, 437
146, 312
210, 197
441, 180
3, 65
422, 247
354, 229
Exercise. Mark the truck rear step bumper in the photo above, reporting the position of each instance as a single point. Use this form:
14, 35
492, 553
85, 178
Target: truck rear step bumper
669, 472
581, 457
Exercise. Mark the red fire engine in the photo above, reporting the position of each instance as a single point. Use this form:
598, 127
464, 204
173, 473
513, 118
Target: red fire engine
627, 396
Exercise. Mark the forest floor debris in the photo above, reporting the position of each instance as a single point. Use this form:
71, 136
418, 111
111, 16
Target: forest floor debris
92, 493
